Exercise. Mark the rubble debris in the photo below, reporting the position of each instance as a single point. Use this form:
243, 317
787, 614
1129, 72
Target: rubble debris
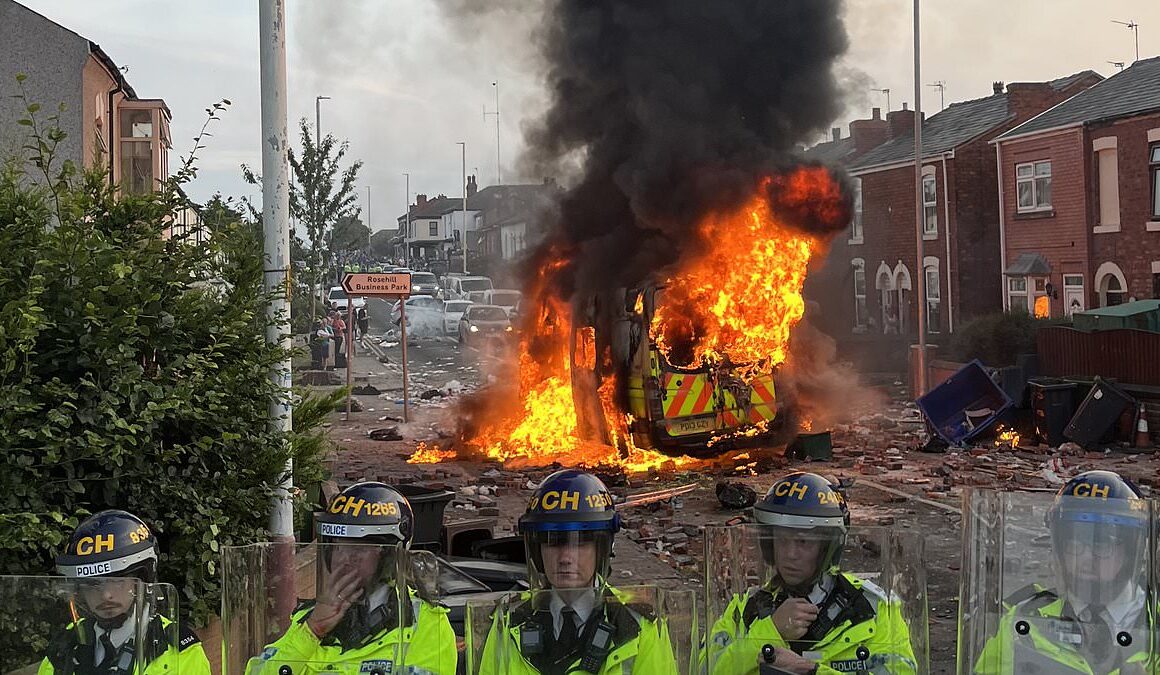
430, 394
365, 390
385, 434
733, 495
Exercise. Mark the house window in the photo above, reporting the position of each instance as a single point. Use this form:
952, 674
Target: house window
1109, 186
933, 300
1017, 294
1033, 183
1154, 169
1073, 294
929, 206
856, 223
433, 228
137, 167
859, 295
136, 123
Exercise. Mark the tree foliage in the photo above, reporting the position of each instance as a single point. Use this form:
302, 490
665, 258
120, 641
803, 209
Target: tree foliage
134, 372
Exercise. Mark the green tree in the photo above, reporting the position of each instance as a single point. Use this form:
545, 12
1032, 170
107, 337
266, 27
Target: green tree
350, 235
380, 243
321, 194
132, 377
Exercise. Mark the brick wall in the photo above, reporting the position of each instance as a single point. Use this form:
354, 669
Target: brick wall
1133, 248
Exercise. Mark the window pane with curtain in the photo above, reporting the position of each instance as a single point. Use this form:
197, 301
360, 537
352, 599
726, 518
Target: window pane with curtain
1025, 184
1042, 184
933, 301
859, 296
1154, 167
856, 224
137, 167
929, 205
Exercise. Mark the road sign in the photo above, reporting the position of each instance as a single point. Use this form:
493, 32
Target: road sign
394, 285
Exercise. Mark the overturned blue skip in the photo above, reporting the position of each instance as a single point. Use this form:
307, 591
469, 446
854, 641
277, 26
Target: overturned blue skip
965, 405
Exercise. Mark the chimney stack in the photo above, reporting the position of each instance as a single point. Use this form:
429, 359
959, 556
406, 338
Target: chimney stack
472, 186
901, 122
420, 200
997, 86
869, 134
836, 133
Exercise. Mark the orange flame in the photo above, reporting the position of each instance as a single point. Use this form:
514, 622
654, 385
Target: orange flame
729, 304
430, 454
1005, 436
737, 300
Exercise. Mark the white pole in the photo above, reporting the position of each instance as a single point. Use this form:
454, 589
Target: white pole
498, 177
276, 230
463, 181
407, 232
921, 365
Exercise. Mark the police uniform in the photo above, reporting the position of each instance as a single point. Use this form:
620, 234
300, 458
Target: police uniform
1083, 627
378, 634
860, 628
553, 631
117, 544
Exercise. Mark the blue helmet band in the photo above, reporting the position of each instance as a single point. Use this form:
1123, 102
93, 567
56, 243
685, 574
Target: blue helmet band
1102, 519
609, 525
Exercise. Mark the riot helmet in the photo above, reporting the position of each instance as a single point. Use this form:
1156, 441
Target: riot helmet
568, 531
106, 554
802, 522
1099, 529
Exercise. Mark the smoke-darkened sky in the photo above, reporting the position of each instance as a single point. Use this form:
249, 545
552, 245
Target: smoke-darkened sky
407, 84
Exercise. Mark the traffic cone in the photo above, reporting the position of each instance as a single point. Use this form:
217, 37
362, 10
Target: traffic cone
1143, 440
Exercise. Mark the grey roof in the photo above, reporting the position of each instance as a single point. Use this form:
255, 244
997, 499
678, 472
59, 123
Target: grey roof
950, 128
1132, 91
434, 207
488, 195
942, 132
831, 152
1028, 264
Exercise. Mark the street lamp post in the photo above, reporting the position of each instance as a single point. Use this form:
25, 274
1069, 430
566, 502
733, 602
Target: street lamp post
918, 212
318, 120
407, 232
498, 177
463, 181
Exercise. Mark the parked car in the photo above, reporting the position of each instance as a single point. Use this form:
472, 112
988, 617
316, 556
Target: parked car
466, 288
483, 322
452, 311
424, 283
502, 297
337, 298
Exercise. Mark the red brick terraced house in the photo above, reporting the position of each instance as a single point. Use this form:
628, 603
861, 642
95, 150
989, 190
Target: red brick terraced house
1080, 198
866, 287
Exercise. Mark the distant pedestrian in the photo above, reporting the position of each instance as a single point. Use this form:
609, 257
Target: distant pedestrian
364, 321
322, 336
338, 327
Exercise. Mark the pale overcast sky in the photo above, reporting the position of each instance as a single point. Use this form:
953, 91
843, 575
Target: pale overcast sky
407, 85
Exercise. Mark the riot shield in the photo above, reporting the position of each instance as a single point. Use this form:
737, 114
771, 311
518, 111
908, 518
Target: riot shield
60, 624
1056, 584
290, 609
631, 628
864, 612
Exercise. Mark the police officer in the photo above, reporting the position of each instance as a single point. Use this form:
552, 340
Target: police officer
1095, 618
576, 622
811, 616
111, 555
355, 621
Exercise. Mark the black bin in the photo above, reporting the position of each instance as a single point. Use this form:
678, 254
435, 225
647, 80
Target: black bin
1098, 413
428, 505
1052, 405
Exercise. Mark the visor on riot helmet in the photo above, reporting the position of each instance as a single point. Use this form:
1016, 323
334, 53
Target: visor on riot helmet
799, 510
569, 512
372, 512
1099, 529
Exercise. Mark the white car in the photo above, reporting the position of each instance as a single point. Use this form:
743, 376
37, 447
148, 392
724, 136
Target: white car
420, 308
481, 323
424, 283
337, 298
452, 311
466, 288
502, 297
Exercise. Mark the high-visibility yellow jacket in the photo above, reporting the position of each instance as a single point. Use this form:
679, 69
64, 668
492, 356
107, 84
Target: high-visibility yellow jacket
640, 645
426, 646
878, 642
186, 657
1011, 651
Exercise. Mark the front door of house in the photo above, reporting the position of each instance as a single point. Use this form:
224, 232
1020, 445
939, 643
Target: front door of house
1073, 299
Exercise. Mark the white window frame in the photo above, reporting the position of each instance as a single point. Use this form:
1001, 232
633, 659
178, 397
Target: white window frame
933, 291
1154, 180
929, 207
1040, 170
1017, 297
433, 228
861, 313
856, 227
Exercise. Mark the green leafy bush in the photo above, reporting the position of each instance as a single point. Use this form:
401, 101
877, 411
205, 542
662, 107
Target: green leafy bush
134, 374
997, 339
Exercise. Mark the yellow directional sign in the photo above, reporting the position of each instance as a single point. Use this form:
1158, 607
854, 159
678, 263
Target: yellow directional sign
396, 284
